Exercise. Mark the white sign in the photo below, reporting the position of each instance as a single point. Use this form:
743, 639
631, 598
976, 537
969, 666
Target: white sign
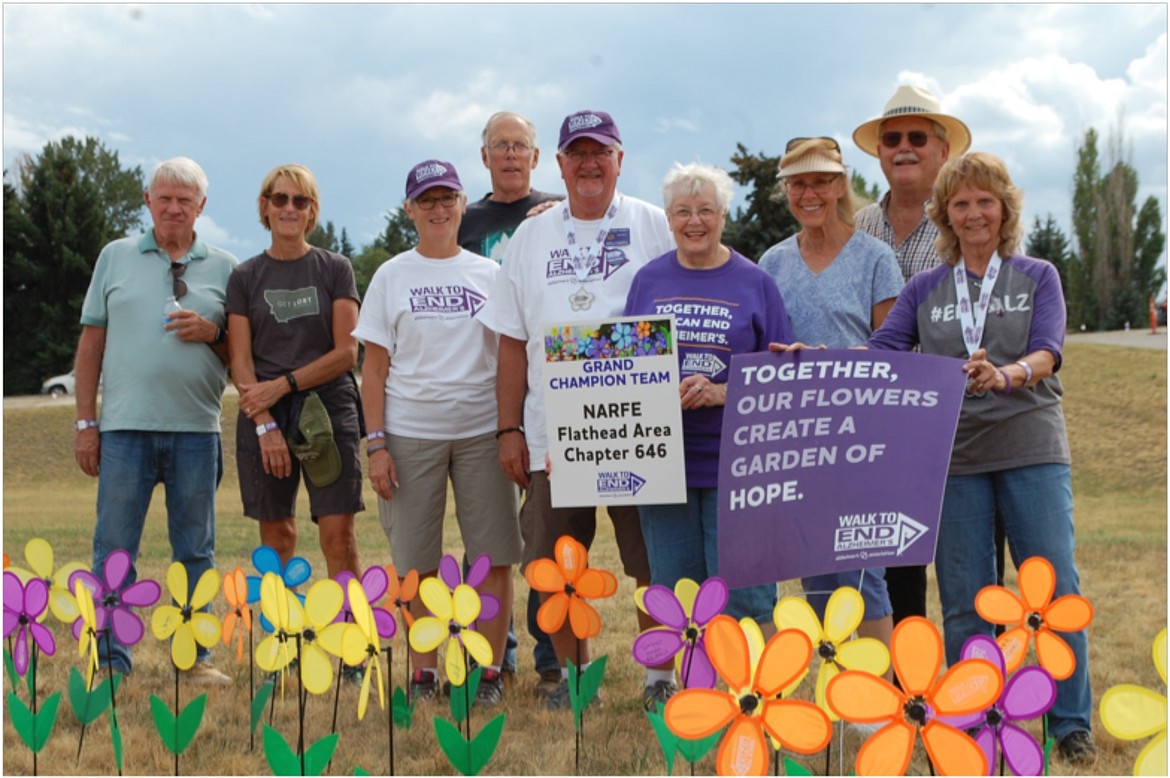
613, 413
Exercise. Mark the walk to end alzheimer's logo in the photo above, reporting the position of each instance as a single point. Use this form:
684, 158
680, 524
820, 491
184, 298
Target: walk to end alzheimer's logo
621, 483
875, 536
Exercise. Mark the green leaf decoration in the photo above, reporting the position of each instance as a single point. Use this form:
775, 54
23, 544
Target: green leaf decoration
792, 767
483, 745
10, 669
281, 759
582, 691
177, 732
189, 721
259, 701
34, 728
461, 694
694, 750
116, 739
318, 755
359, 771
403, 713
455, 748
164, 722
667, 740
87, 705
1048, 746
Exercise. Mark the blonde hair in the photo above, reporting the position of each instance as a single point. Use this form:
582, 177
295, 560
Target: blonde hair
303, 179
807, 150
982, 171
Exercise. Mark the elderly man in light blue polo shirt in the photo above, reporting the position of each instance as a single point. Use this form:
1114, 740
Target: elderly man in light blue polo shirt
164, 374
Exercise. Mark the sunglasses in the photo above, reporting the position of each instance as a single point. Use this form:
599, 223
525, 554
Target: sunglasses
280, 199
178, 285
797, 141
893, 139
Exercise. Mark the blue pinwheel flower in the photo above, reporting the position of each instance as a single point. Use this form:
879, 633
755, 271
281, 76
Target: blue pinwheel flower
266, 560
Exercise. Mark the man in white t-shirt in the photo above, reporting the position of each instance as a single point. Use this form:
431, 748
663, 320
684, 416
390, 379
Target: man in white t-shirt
575, 261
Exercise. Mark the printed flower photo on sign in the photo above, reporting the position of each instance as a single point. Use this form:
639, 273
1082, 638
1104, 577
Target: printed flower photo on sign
641, 338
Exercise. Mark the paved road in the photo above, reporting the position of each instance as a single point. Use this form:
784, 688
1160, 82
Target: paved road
1132, 339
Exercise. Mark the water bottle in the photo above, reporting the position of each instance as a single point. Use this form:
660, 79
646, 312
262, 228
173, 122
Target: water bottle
170, 308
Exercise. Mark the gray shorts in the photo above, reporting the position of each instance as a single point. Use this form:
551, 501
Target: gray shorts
542, 524
485, 501
266, 497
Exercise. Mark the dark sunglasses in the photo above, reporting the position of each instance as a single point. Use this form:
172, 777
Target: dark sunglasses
280, 199
795, 141
893, 139
178, 285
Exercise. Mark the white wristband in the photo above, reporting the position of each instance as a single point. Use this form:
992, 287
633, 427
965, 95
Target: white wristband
266, 427
1027, 372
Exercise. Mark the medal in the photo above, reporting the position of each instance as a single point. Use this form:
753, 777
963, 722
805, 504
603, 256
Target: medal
581, 299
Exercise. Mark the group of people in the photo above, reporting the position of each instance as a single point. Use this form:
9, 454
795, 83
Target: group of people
453, 334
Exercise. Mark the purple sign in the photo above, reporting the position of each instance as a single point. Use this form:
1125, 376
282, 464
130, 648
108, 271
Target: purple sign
833, 460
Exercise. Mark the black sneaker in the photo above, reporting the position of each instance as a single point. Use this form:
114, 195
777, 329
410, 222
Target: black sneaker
491, 689
1077, 748
423, 686
654, 696
352, 675
559, 698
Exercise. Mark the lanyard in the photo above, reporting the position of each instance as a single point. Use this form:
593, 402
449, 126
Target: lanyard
584, 258
972, 320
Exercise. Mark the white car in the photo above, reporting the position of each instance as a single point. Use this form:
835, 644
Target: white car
59, 385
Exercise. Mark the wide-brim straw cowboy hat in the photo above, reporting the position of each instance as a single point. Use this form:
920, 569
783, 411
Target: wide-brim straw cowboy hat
913, 101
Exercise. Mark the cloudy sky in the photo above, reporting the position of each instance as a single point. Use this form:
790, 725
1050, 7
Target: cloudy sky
360, 92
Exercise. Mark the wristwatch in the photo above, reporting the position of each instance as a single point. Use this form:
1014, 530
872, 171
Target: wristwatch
84, 424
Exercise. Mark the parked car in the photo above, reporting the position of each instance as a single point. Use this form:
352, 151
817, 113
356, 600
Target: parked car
59, 385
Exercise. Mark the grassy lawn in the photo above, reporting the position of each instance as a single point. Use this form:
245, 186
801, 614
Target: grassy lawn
1115, 403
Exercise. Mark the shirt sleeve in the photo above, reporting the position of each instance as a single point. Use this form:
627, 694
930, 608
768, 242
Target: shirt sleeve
899, 332
1049, 318
94, 312
372, 326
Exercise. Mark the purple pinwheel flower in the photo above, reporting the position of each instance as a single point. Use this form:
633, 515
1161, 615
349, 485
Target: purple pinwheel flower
452, 575
374, 581
266, 560
682, 631
23, 605
110, 599
1026, 695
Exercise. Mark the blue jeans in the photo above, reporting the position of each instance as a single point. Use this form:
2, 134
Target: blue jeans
190, 465
1037, 507
682, 541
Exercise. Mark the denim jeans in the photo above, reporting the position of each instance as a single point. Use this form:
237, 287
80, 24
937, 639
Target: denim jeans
1037, 507
190, 465
682, 541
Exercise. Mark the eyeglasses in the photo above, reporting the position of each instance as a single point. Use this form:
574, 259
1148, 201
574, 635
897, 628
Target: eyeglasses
178, 285
428, 203
819, 185
704, 214
519, 148
280, 199
893, 138
599, 156
797, 141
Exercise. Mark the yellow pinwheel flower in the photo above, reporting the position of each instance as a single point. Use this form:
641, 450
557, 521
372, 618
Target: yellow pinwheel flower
320, 634
360, 643
87, 642
39, 555
1131, 712
454, 613
830, 642
185, 621
282, 609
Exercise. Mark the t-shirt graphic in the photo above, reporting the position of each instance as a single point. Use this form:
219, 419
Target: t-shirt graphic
445, 302
288, 304
560, 265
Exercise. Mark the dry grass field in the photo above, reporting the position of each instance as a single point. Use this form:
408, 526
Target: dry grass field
1116, 409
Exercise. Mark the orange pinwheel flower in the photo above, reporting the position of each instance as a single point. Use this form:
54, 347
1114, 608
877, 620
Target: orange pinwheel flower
1035, 613
917, 653
750, 704
235, 591
571, 581
399, 593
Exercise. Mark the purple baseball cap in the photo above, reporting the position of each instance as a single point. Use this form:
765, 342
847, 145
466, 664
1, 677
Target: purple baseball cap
597, 125
429, 174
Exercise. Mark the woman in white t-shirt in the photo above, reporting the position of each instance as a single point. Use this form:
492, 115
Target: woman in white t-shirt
428, 392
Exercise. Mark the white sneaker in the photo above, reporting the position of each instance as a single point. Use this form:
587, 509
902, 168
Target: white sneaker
205, 674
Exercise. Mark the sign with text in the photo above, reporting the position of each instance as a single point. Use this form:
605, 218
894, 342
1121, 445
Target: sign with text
613, 414
833, 460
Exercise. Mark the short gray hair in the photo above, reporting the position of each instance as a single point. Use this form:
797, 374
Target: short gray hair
500, 116
180, 171
689, 180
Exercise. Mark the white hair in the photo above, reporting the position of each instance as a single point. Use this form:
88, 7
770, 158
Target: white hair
180, 171
689, 180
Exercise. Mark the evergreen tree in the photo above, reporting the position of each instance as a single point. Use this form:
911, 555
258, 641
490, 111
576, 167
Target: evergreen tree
1047, 241
344, 246
64, 207
766, 221
324, 237
399, 235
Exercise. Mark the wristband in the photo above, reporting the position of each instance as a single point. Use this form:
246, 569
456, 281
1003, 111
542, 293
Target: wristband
220, 335
1027, 372
266, 427
292, 382
81, 425
375, 448
506, 430
373, 435
1007, 384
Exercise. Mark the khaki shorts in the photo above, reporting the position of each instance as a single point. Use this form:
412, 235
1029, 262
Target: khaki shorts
485, 501
541, 524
